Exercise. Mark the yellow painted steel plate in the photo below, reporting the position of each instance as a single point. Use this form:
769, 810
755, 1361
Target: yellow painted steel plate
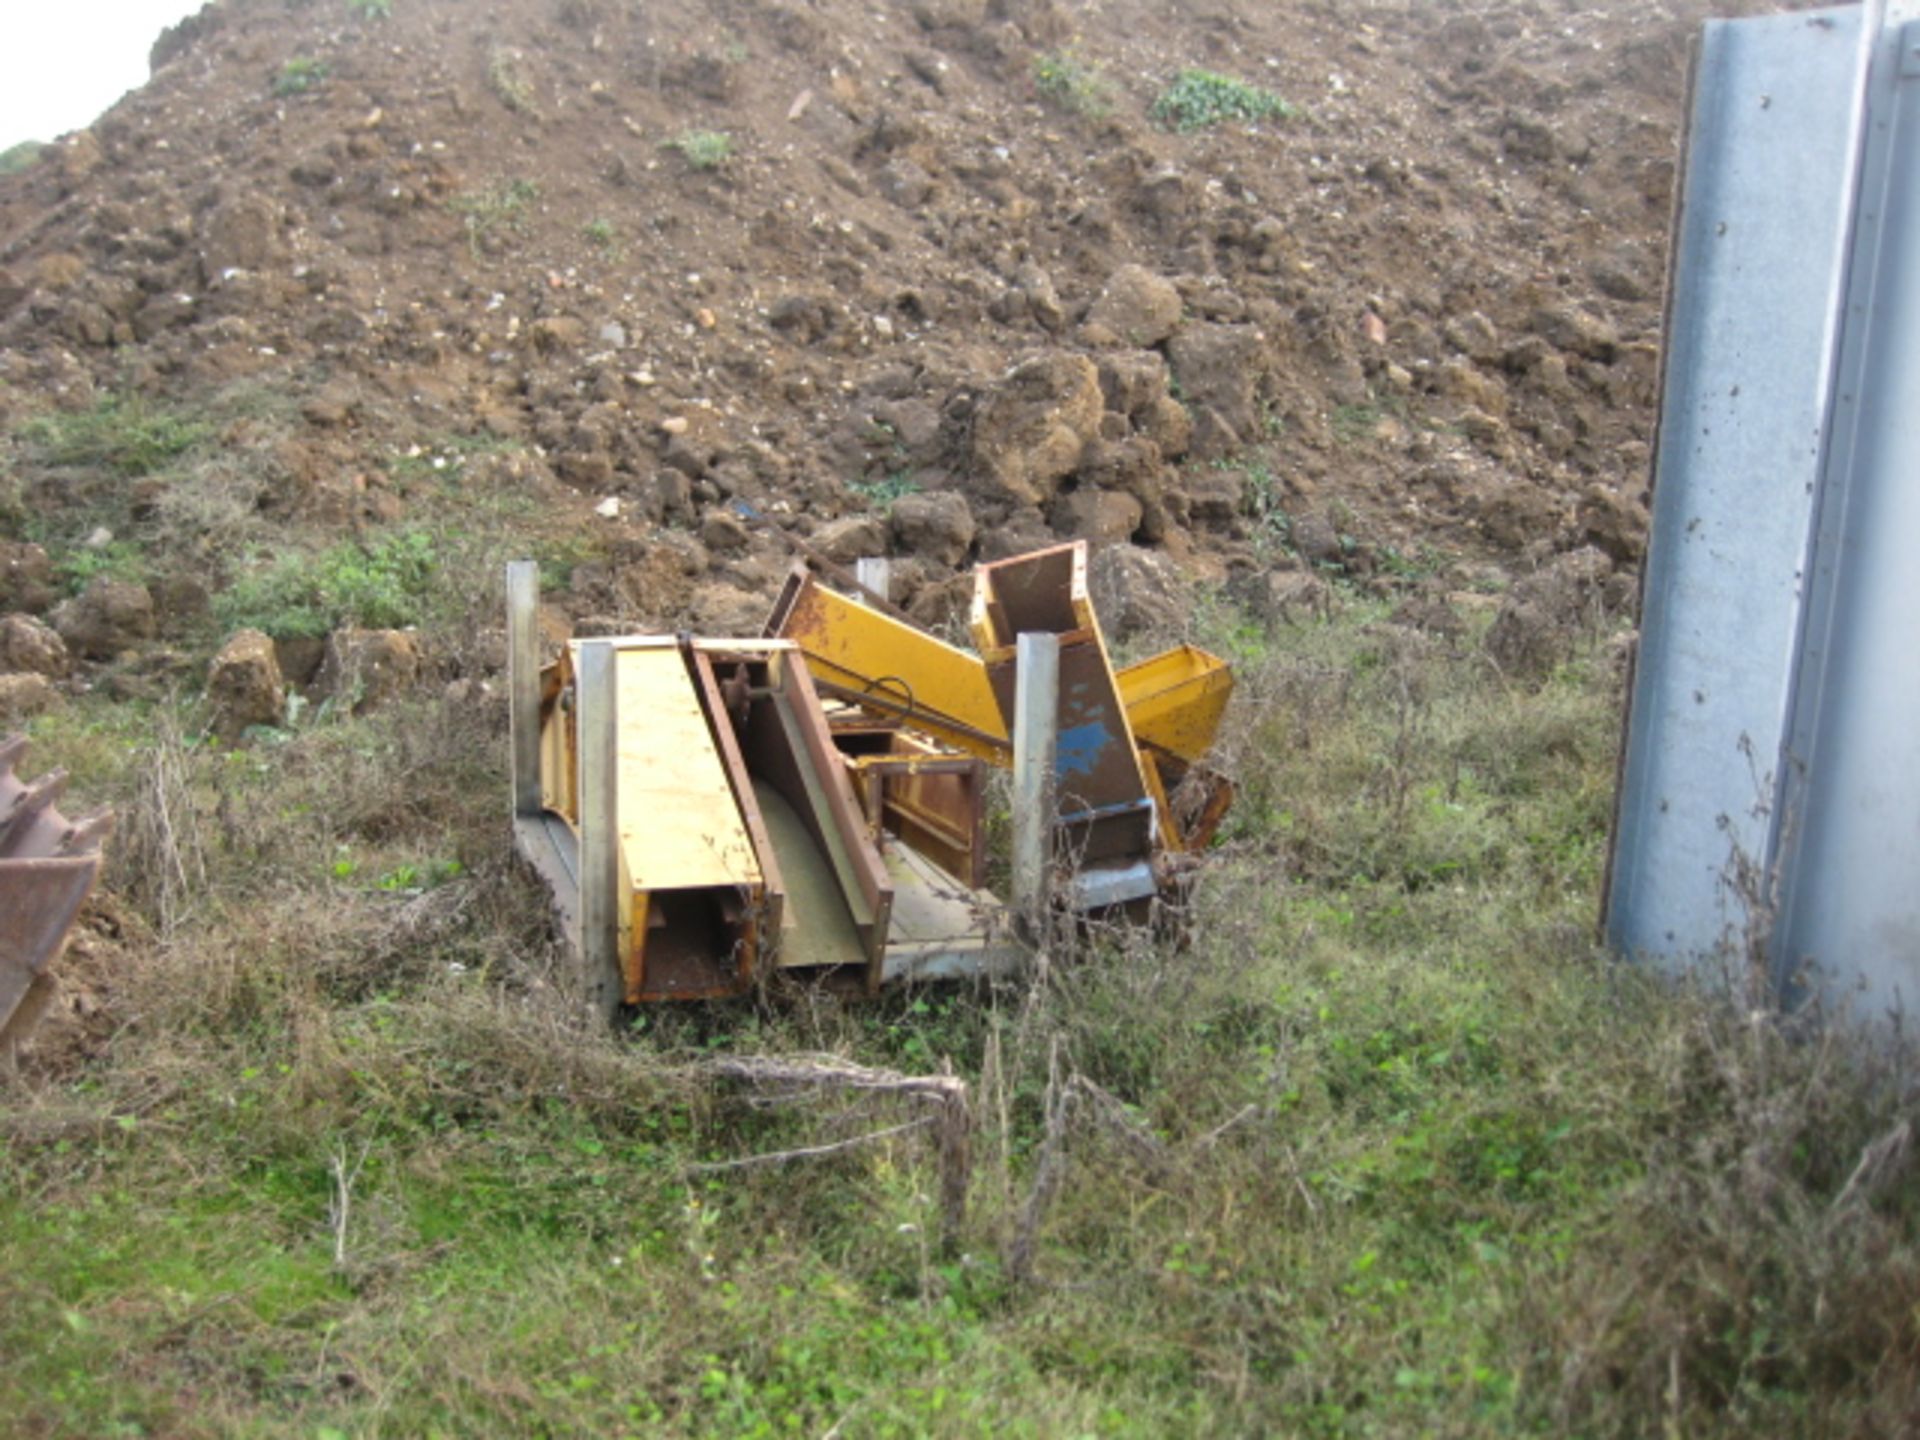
849, 644
1175, 699
679, 824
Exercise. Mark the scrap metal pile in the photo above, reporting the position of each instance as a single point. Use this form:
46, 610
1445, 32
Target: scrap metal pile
811, 802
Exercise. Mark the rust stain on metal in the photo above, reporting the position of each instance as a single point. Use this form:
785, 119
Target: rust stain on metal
47, 865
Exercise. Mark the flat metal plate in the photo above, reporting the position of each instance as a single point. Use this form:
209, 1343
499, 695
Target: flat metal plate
1849, 858
941, 929
680, 827
1773, 748
1760, 260
816, 929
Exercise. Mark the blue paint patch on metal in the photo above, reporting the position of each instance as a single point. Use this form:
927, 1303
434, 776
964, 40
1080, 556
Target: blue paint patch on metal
1079, 748
1771, 744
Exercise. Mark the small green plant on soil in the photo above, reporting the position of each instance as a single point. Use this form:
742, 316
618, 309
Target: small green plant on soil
703, 149
1355, 423
382, 584
880, 494
299, 75
1415, 563
601, 232
371, 9
494, 212
123, 434
116, 560
1200, 99
509, 83
1072, 82
16, 158
1263, 503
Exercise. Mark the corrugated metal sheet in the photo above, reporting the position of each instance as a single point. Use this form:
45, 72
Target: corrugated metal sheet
1773, 745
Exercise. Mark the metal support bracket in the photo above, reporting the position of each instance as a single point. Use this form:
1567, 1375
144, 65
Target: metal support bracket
599, 751
1036, 735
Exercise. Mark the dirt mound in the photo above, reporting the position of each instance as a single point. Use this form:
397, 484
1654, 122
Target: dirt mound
781, 262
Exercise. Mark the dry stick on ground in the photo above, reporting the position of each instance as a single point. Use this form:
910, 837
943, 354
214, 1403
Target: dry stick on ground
1076, 1093
342, 1201
812, 1152
1881, 1163
1048, 1172
790, 1080
162, 853
995, 1101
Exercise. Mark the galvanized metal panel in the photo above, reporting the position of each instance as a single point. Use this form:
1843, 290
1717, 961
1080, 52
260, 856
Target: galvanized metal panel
602, 894
1773, 733
1759, 262
1036, 740
1850, 818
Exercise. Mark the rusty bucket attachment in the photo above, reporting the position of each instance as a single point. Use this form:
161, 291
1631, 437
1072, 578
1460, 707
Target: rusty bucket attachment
47, 865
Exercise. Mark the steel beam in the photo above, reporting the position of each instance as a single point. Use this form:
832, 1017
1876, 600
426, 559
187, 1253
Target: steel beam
1771, 769
1036, 737
523, 683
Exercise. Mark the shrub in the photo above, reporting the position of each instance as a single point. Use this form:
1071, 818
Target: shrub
1073, 83
121, 433
16, 158
116, 560
703, 149
490, 212
1198, 99
371, 9
383, 584
513, 87
880, 494
299, 75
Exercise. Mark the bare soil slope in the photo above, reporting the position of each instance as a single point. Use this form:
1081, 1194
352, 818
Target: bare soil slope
923, 278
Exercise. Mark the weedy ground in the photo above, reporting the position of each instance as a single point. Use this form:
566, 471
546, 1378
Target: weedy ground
1388, 1148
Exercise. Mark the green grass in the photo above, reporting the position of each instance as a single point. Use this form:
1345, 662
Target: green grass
1389, 1149
84, 463
1201, 99
1073, 83
298, 76
879, 495
703, 149
116, 560
16, 158
123, 434
495, 212
383, 584
601, 232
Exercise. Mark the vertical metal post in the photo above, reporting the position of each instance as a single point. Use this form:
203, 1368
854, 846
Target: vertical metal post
875, 575
523, 683
599, 759
1036, 723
